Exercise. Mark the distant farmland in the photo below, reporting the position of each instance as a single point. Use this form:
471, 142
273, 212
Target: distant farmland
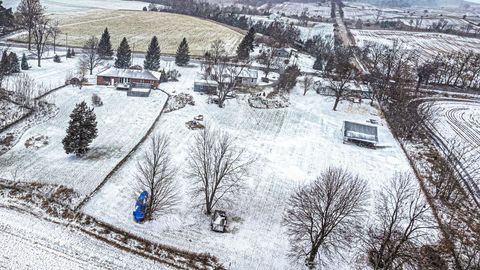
139, 27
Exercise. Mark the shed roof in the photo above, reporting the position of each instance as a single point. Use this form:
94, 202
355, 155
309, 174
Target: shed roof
248, 73
360, 132
130, 73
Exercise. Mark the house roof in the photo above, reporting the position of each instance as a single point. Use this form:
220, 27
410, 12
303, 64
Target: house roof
248, 73
206, 83
360, 132
130, 73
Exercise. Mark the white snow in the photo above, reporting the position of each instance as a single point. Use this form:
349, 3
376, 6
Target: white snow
122, 121
32, 243
291, 146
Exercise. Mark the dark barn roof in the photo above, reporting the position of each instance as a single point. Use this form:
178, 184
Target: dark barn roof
360, 132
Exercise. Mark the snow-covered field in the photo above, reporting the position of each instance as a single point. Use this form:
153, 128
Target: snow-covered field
122, 122
427, 44
54, 6
296, 8
459, 123
291, 147
32, 243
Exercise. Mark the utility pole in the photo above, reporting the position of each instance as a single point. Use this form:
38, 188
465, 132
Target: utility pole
66, 44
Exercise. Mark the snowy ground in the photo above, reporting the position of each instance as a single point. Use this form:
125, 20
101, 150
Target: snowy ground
427, 44
122, 121
459, 122
291, 146
54, 6
32, 243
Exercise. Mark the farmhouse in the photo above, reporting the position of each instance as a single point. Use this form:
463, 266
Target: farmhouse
129, 78
247, 77
360, 133
206, 86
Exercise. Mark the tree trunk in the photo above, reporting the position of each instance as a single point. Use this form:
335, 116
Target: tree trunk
312, 256
337, 100
30, 39
39, 59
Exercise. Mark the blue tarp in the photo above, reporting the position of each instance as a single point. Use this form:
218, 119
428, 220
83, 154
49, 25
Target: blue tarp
139, 213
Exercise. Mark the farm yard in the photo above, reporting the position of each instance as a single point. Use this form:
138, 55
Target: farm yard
427, 44
290, 146
122, 122
139, 27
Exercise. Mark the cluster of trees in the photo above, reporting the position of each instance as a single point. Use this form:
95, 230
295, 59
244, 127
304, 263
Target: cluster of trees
216, 165
328, 216
456, 69
286, 33
7, 20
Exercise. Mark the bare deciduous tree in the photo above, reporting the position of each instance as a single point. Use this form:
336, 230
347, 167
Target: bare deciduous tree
41, 32
30, 12
217, 167
307, 84
325, 216
156, 175
90, 57
338, 83
402, 225
55, 30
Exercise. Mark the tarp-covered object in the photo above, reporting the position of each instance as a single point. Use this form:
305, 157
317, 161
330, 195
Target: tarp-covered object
140, 207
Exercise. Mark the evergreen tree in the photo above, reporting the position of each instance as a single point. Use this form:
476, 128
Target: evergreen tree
69, 53
318, 64
246, 45
105, 50
124, 55
4, 64
183, 54
163, 76
14, 65
81, 131
25, 65
56, 59
73, 52
152, 59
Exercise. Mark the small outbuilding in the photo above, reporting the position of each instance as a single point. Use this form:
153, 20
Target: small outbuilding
134, 78
205, 86
247, 77
361, 134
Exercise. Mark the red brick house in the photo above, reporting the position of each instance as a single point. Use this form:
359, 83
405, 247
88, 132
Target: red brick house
138, 78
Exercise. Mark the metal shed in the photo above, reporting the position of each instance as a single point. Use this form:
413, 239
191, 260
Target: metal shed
360, 133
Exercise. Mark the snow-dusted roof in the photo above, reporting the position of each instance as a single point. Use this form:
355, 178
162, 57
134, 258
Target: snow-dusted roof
360, 132
248, 73
130, 73
206, 82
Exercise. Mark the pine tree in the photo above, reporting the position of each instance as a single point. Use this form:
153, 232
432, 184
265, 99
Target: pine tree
124, 55
25, 65
69, 53
14, 65
318, 64
182, 57
4, 64
163, 76
73, 52
246, 45
81, 131
152, 59
105, 50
